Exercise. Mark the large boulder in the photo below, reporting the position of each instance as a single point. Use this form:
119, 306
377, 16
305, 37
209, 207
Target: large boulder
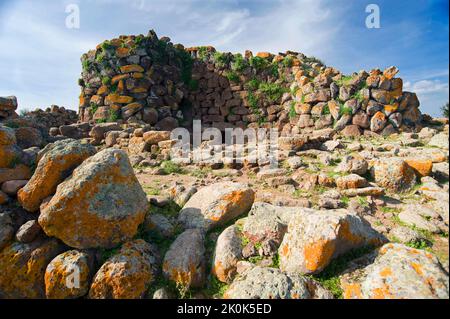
100, 205
314, 238
23, 267
396, 271
56, 164
128, 274
271, 283
394, 174
216, 204
184, 261
68, 275
227, 254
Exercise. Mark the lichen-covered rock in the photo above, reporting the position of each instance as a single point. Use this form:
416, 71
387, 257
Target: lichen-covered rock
128, 274
227, 254
393, 174
268, 222
68, 275
315, 238
439, 140
351, 181
100, 205
58, 162
422, 167
271, 283
184, 261
9, 156
23, 267
396, 271
216, 204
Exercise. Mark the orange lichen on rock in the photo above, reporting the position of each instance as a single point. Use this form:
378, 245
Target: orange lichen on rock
318, 254
421, 167
56, 165
352, 291
131, 68
23, 267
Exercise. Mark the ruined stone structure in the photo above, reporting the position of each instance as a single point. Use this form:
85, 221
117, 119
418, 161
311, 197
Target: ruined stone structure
150, 80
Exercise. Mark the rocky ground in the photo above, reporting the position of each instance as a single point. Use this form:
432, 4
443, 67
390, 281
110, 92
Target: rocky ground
363, 217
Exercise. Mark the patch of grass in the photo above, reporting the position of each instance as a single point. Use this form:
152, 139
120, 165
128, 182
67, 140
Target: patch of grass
272, 91
345, 200
362, 201
276, 261
221, 59
239, 64
255, 259
252, 85
201, 172
288, 61
345, 80
105, 254
113, 116
329, 277
203, 54
233, 77
170, 167
418, 244
326, 110
292, 112
258, 63
93, 108
86, 65
345, 110
215, 288
106, 80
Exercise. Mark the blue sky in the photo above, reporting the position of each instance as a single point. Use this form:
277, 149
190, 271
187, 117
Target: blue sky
40, 57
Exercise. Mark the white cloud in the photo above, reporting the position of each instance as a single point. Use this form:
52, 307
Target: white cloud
427, 87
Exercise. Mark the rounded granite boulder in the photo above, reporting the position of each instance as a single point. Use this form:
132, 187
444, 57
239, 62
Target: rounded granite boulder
100, 205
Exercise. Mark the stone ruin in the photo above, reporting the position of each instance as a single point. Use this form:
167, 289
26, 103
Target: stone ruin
149, 80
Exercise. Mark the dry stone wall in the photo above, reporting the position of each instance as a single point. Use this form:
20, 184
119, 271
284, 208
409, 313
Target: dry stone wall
146, 79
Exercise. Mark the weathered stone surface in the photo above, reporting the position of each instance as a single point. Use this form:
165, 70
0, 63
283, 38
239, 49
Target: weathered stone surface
216, 204
351, 181
28, 231
353, 165
57, 163
419, 216
12, 187
68, 275
7, 136
271, 283
396, 271
100, 205
154, 137
393, 174
23, 267
268, 222
127, 274
184, 262
227, 254
28, 137
19, 172
315, 238
440, 140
